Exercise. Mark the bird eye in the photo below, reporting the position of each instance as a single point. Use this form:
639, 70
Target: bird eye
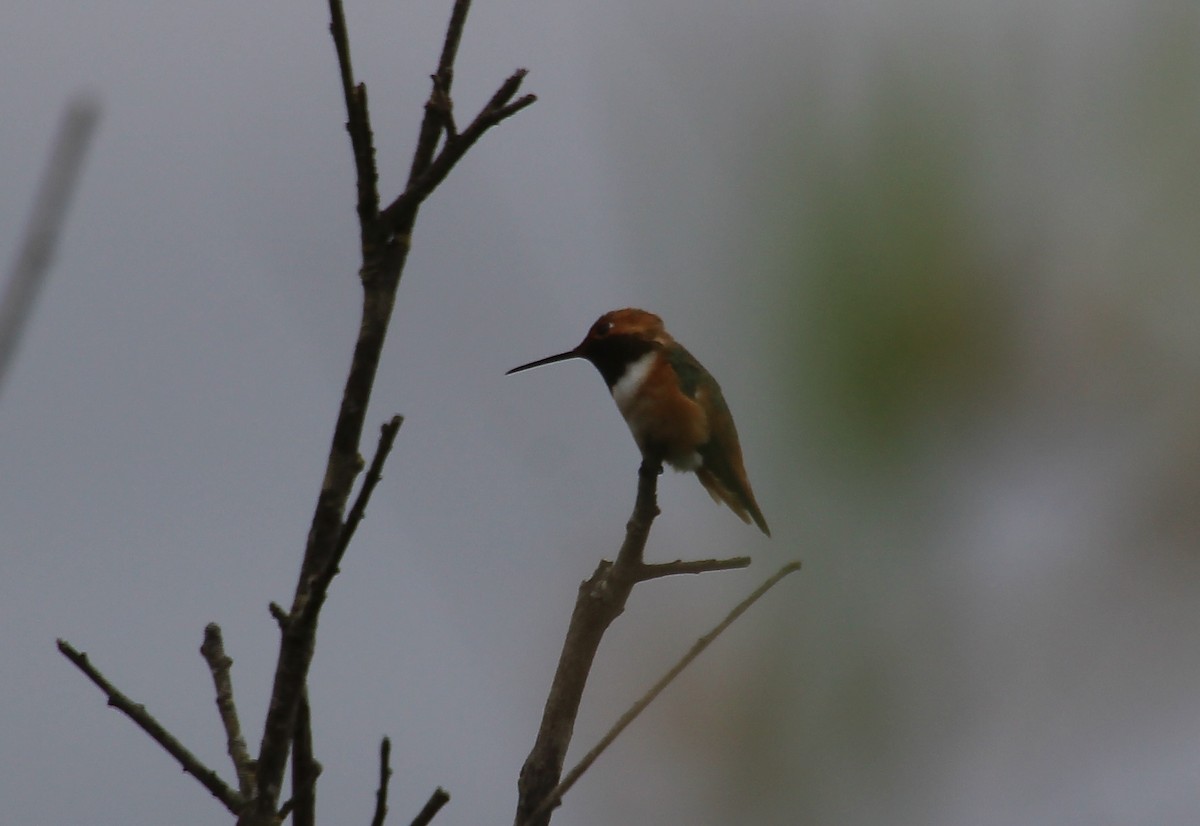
601, 329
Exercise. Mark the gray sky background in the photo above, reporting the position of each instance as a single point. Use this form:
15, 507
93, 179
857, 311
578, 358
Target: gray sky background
940, 255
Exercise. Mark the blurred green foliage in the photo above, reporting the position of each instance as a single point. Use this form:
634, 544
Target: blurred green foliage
895, 310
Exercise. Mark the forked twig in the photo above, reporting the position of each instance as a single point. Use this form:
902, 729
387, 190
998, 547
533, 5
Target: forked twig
387, 438
146, 722
426, 178
556, 794
601, 600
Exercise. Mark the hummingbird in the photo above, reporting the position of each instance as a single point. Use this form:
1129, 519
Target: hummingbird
673, 406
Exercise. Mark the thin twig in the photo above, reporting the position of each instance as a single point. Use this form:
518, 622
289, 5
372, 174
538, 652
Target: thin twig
45, 225
437, 800
387, 438
696, 566
219, 663
439, 103
146, 722
385, 776
555, 796
358, 124
341, 44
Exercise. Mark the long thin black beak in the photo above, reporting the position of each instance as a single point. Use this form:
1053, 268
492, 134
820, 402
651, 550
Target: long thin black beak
570, 354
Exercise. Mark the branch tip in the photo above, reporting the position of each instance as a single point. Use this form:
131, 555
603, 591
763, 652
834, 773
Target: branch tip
698, 566
220, 665
385, 776
437, 800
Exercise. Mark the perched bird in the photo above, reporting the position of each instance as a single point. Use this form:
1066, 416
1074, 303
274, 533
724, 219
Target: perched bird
673, 406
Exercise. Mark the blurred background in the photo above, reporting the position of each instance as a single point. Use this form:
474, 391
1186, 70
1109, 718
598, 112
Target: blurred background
942, 257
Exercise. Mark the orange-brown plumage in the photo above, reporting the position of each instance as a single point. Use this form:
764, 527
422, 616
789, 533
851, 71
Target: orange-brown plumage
663, 419
673, 406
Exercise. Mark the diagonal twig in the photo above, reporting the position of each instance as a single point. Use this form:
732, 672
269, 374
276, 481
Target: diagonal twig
555, 795
50, 204
387, 438
219, 663
437, 800
146, 722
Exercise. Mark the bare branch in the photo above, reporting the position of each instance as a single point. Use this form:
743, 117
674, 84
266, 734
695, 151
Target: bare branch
385, 776
601, 600
556, 794
146, 722
45, 224
219, 663
385, 247
437, 800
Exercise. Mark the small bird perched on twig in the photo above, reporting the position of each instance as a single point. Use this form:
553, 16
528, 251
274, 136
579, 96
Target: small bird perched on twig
673, 406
